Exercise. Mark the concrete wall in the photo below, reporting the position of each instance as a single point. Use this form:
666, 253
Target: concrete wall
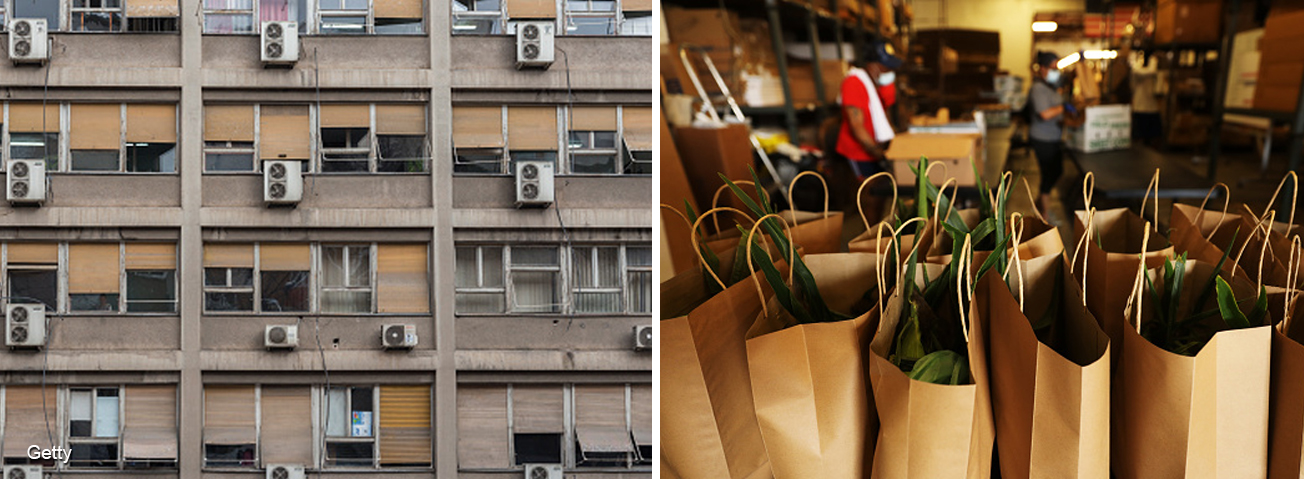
1012, 18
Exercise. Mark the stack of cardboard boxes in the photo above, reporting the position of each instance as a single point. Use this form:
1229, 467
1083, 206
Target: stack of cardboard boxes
1281, 63
1188, 21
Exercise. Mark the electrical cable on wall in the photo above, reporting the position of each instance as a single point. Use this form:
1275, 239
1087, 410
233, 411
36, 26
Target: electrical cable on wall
45, 364
556, 204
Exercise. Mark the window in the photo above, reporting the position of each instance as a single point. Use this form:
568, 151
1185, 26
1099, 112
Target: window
343, 16
33, 273
229, 16
134, 138
637, 23
593, 152
535, 276
283, 11
151, 278
638, 269
610, 426
97, 275
531, 134
229, 138
34, 132
330, 17
106, 426
480, 287
349, 426
478, 139
590, 17
615, 279
636, 162
93, 427
636, 140
597, 279
97, 15
398, 17
230, 428
348, 277
347, 138
47, 9
477, 17
151, 138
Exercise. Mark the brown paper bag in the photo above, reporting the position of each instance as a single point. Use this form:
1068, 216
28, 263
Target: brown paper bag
1050, 401
1202, 416
808, 380
1204, 234
872, 240
931, 430
1042, 239
814, 232
1286, 429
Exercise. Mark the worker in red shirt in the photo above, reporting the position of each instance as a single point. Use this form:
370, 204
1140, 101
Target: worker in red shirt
867, 92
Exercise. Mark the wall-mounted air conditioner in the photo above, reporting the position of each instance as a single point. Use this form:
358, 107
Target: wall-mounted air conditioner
24, 326
282, 182
280, 43
25, 182
28, 40
534, 44
399, 336
534, 183
281, 336
642, 338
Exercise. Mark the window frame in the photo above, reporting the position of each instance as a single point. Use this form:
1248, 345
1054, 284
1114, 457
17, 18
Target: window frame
64, 298
560, 284
63, 154
116, 440
619, 290
320, 274
566, 283
572, 15
73, 10
614, 151
499, 17
228, 288
480, 288
373, 439
372, 148
627, 270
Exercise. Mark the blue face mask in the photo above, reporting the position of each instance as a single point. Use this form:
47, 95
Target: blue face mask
1053, 77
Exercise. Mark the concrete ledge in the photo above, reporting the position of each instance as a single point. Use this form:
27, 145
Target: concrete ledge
535, 218
515, 360
260, 217
82, 216
308, 359
29, 361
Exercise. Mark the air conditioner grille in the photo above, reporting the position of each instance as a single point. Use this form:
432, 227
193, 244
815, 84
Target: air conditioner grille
18, 334
395, 334
539, 472
19, 170
277, 335
22, 29
277, 171
645, 335
18, 315
531, 51
530, 172
23, 48
277, 190
274, 50
531, 32
530, 191
20, 189
274, 31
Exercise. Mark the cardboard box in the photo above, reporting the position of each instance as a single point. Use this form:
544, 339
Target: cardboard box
959, 152
1188, 21
1243, 74
707, 152
1105, 127
1281, 63
704, 27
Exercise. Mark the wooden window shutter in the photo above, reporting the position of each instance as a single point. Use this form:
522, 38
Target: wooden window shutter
149, 429
33, 253
532, 128
640, 413
401, 280
638, 127
284, 132
537, 408
93, 268
95, 126
477, 127
284, 257
287, 425
345, 115
25, 418
153, 8
229, 123
397, 8
482, 432
636, 5
593, 118
226, 255
531, 9
151, 256
405, 432
152, 123
27, 117
600, 418
229, 415
403, 120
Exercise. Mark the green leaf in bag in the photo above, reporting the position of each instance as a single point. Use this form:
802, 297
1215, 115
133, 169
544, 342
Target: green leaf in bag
909, 343
1208, 289
941, 367
740, 270
1260, 311
1231, 313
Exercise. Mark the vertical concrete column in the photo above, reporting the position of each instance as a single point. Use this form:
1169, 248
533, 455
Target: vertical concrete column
191, 453
441, 175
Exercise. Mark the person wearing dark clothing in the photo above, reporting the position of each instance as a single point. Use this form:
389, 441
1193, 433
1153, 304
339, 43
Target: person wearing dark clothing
1045, 127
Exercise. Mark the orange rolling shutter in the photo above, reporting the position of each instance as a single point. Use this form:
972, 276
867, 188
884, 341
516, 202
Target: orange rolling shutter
537, 408
31, 118
25, 418
593, 118
229, 415
636, 5
482, 431
284, 132
95, 126
229, 123
397, 8
155, 256
149, 428
284, 257
600, 418
402, 120
93, 268
638, 127
33, 253
152, 8
287, 425
405, 433
532, 127
478, 127
225, 255
152, 123
401, 279
345, 115
531, 9
640, 413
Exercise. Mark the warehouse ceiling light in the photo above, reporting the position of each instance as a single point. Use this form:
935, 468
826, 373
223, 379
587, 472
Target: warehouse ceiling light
1069, 60
1044, 27
1100, 54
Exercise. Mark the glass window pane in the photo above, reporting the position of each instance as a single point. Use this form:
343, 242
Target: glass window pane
281, 11
332, 266
536, 292
537, 448
534, 256
580, 139
152, 157
492, 258
215, 277
94, 160
337, 403
343, 25
467, 276
518, 155
608, 267
582, 267
228, 4
93, 302
401, 153
604, 139
152, 24
593, 163
349, 454
639, 163
637, 23
479, 160
106, 413
79, 413
229, 162
94, 455
580, 25
34, 285
228, 23
229, 456
35, 146
359, 265
638, 255
488, 5
477, 25
346, 301
398, 26
640, 291
597, 302
284, 291
38, 9
480, 303
229, 301
97, 21
151, 291
242, 277
361, 399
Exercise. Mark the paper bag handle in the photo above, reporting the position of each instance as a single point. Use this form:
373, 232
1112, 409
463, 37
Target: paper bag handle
1294, 197
1138, 284
1083, 247
1154, 186
880, 256
1033, 200
1016, 235
1088, 190
1264, 225
964, 269
928, 172
692, 235
715, 200
937, 206
1226, 201
860, 191
751, 267
684, 217
1296, 257
793, 184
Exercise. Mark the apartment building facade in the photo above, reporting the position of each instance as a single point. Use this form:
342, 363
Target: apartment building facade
164, 273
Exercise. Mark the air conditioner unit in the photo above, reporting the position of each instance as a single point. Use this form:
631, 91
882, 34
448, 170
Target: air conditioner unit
284, 471
534, 44
642, 338
22, 472
543, 471
280, 43
399, 336
25, 325
534, 185
281, 336
26, 182
282, 182
28, 40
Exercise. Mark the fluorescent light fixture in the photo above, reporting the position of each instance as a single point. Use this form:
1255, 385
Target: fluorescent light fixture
1044, 27
1100, 54
1069, 60
464, 26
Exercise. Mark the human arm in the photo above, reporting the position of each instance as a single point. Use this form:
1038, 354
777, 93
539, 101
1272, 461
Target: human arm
860, 131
